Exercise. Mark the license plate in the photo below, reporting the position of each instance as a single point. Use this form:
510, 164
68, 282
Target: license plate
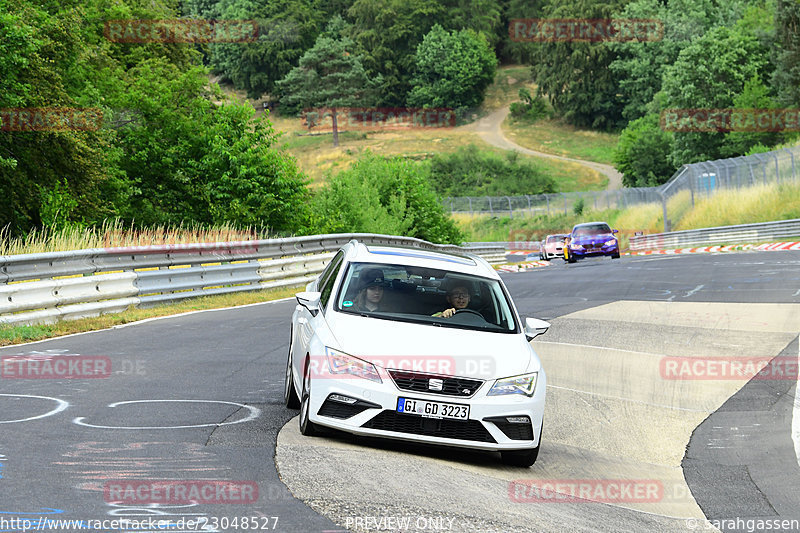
432, 409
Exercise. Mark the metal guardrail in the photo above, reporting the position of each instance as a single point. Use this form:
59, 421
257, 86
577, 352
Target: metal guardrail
741, 233
46, 287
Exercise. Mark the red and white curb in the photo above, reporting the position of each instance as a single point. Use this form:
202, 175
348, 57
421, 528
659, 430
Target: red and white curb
521, 267
774, 246
768, 247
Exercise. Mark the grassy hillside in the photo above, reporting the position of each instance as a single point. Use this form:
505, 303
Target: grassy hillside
318, 158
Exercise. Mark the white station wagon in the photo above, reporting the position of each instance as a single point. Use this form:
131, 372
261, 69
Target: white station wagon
417, 345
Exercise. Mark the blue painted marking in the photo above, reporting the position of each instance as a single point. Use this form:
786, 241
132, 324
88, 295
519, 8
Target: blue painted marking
464, 261
401, 405
37, 513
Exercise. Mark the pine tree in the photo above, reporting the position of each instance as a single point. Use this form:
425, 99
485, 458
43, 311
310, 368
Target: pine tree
329, 75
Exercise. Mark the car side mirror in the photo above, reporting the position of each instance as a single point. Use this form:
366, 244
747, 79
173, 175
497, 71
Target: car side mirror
535, 327
614, 231
309, 300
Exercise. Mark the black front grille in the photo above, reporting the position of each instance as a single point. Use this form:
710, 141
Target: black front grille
512, 431
449, 429
451, 386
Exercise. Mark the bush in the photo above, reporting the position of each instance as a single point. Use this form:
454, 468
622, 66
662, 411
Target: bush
579, 206
642, 153
530, 108
389, 196
474, 172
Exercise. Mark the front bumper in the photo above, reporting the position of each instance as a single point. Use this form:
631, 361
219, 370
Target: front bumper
594, 252
376, 414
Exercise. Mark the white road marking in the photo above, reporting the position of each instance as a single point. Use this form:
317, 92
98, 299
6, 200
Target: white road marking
61, 406
254, 413
693, 291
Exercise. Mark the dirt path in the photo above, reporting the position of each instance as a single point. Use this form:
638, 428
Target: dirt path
488, 128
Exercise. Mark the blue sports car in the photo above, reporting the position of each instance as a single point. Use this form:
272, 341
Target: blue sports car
591, 239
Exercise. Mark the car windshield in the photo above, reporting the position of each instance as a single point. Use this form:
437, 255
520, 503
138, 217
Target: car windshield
592, 229
555, 238
416, 294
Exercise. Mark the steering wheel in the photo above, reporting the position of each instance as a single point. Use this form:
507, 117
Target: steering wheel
465, 310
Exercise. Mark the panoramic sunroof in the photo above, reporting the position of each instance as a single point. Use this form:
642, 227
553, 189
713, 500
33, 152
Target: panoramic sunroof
415, 252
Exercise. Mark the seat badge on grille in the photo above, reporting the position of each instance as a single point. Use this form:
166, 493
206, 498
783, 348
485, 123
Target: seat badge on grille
466, 392
435, 384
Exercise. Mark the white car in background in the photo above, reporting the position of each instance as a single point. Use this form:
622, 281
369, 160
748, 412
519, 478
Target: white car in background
440, 357
553, 246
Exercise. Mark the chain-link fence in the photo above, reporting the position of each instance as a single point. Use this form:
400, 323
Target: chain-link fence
690, 182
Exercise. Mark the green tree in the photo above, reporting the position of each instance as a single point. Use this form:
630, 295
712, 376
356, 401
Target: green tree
708, 74
639, 66
452, 69
43, 63
193, 160
389, 33
642, 153
330, 74
379, 195
786, 78
287, 28
575, 76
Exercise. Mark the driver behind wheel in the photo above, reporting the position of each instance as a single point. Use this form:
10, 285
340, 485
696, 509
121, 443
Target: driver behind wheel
458, 298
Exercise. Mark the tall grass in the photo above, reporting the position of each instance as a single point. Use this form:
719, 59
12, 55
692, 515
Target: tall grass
755, 204
114, 233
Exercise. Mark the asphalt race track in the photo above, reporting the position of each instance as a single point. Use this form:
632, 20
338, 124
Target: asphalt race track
637, 418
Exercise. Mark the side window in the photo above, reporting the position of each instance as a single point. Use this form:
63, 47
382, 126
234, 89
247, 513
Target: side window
327, 271
326, 285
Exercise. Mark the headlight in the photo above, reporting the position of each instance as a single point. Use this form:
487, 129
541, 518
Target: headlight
341, 363
612, 242
576, 246
524, 384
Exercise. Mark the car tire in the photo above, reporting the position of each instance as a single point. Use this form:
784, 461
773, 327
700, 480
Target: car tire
307, 427
290, 398
569, 258
615, 256
523, 458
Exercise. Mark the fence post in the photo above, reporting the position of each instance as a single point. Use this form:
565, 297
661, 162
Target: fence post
547, 197
491, 211
791, 154
470, 205
510, 210
664, 211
